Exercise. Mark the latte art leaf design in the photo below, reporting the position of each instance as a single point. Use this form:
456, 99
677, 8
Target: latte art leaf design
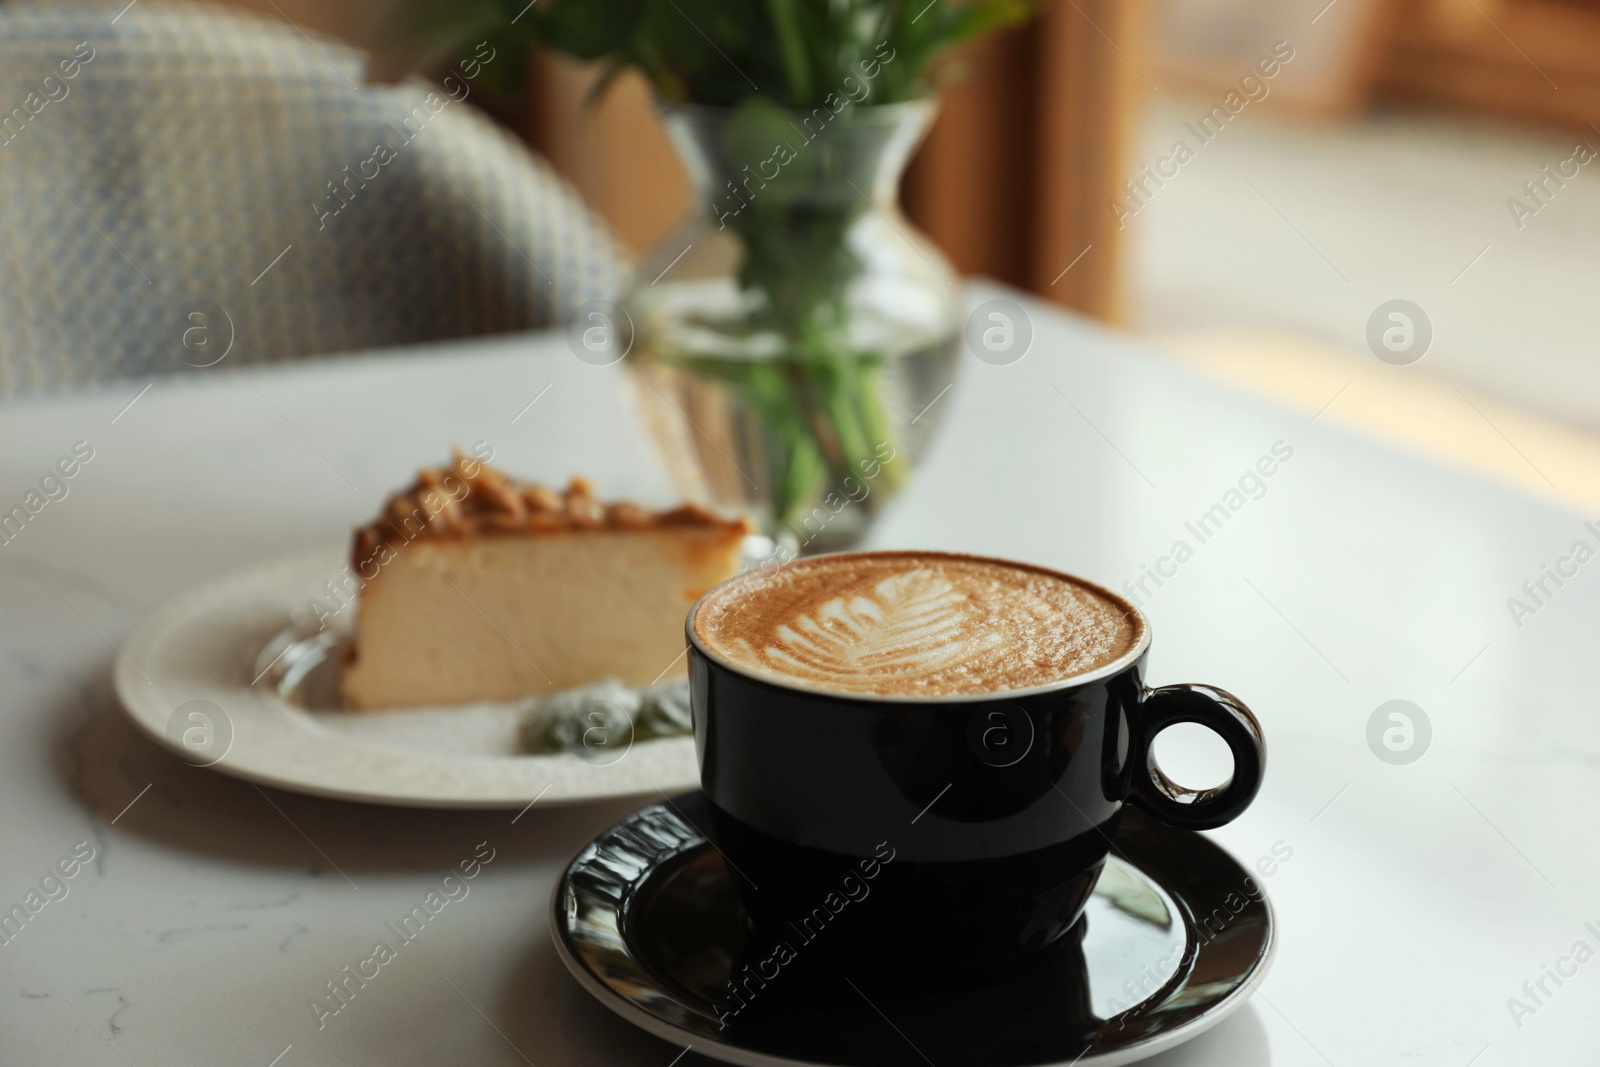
914, 624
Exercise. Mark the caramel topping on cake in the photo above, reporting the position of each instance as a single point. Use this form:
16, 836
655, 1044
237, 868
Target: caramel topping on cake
469, 498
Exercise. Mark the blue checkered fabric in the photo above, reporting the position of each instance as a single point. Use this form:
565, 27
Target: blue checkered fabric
181, 185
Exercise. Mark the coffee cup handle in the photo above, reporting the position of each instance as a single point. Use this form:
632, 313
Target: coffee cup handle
1224, 714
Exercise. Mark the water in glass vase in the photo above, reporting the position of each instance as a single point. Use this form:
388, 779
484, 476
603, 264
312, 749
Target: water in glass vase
811, 450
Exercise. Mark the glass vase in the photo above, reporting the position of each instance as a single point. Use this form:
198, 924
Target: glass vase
790, 340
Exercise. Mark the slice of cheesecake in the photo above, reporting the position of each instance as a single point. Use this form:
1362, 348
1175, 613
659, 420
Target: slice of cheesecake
480, 587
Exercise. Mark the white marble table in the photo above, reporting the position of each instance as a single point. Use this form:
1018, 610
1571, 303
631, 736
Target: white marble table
1418, 898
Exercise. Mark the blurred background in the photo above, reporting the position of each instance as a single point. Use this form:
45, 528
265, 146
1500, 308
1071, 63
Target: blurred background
1433, 151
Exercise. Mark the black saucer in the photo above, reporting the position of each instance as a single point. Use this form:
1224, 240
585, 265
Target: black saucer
1175, 938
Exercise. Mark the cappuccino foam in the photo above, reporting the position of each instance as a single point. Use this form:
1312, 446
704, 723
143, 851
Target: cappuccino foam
917, 624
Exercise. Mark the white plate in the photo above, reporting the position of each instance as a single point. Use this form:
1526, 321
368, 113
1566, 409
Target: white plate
203, 647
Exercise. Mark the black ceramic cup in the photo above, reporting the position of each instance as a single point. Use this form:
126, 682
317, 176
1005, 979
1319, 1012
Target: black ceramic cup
939, 840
